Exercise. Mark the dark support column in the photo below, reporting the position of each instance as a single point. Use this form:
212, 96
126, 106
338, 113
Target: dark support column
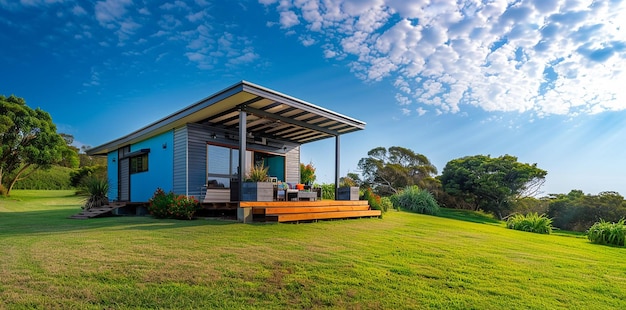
337, 158
242, 150
244, 215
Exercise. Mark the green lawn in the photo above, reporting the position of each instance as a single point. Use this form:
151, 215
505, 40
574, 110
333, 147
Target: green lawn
402, 261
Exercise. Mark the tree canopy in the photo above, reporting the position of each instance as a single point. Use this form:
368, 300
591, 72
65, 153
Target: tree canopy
577, 211
389, 170
491, 184
28, 141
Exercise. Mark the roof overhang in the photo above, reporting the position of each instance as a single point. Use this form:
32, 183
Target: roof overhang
270, 114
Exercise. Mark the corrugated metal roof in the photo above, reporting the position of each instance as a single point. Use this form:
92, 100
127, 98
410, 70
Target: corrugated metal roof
270, 115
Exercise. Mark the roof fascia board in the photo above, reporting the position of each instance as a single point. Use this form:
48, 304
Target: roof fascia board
162, 123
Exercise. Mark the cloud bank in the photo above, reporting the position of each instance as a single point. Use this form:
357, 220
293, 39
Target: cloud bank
541, 56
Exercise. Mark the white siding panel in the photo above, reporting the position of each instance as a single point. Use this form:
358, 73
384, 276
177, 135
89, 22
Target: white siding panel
292, 162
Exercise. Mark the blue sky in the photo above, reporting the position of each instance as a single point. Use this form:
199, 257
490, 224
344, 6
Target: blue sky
542, 80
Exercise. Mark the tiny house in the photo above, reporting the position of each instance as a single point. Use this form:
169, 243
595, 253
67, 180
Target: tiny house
203, 149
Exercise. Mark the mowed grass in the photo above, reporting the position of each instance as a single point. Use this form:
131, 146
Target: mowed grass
403, 261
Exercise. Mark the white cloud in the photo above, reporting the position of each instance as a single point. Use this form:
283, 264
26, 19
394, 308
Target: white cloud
288, 19
78, 10
539, 56
307, 40
113, 15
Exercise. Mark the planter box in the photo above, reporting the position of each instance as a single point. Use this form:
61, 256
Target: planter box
348, 193
258, 191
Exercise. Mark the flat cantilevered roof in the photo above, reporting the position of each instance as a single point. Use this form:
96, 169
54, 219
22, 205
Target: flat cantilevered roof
271, 114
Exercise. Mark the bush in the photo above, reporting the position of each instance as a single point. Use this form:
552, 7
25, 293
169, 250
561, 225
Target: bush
169, 205
77, 176
373, 199
385, 204
531, 222
328, 191
55, 178
608, 233
97, 190
415, 200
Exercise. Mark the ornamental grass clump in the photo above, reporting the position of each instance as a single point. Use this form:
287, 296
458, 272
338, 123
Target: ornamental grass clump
416, 200
258, 173
608, 233
531, 222
97, 190
169, 205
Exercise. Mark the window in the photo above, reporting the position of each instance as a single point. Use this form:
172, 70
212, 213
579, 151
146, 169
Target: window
139, 163
222, 165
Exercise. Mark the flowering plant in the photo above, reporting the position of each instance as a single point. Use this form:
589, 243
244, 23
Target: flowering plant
307, 173
170, 205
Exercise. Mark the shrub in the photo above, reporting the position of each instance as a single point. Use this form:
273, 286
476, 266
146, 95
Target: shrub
97, 190
328, 191
415, 200
531, 222
55, 178
77, 176
385, 204
608, 233
170, 205
373, 199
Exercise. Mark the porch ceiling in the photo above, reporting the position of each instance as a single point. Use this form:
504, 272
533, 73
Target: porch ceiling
270, 115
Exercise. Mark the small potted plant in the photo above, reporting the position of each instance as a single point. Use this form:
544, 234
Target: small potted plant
256, 186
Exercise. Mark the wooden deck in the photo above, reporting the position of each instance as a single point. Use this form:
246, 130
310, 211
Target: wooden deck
296, 211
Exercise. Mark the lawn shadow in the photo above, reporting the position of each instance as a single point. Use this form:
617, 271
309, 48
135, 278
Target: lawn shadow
56, 220
468, 216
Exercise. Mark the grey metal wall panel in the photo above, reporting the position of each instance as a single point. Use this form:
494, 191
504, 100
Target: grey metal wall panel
124, 175
197, 136
292, 162
180, 161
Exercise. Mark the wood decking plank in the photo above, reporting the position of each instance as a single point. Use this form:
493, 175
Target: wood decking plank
322, 215
284, 210
291, 204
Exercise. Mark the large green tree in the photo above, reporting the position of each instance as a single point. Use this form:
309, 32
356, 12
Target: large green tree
28, 141
491, 184
577, 211
389, 170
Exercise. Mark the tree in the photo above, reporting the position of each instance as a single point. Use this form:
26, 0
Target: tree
388, 171
491, 184
28, 141
69, 156
577, 211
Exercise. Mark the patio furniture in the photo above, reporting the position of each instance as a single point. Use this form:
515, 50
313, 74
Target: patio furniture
310, 196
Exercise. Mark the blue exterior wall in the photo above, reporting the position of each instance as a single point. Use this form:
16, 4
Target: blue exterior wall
112, 176
160, 167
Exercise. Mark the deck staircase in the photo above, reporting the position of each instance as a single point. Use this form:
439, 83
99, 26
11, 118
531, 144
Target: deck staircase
98, 212
280, 211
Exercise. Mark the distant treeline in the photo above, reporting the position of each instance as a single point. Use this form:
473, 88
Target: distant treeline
54, 179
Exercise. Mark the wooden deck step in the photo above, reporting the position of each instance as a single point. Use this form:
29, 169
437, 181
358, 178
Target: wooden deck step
320, 216
96, 212
291, 210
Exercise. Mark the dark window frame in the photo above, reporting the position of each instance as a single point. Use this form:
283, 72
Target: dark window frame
139, 163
